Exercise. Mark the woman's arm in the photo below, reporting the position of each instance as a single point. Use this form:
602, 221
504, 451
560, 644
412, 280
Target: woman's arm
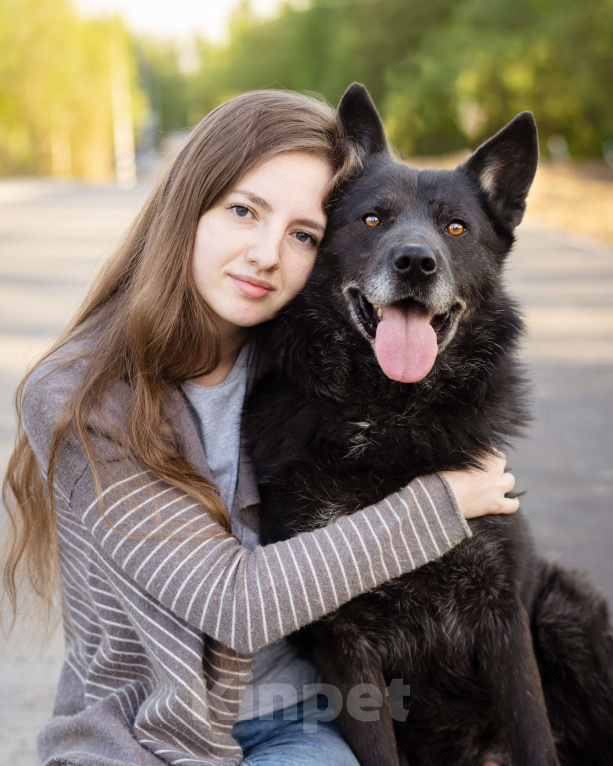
172, 548
150, 537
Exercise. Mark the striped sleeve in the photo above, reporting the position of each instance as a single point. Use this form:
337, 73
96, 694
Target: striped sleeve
172, 548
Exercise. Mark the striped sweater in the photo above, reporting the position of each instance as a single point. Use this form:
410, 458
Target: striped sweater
163, 609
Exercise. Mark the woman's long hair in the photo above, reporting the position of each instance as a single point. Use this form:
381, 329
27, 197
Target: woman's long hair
158, 331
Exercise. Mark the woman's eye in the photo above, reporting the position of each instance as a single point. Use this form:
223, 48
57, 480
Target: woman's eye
305, 237
242, 211
372, 220
456, 228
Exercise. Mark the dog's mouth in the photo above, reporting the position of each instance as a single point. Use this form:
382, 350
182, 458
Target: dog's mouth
407, 334
370, 314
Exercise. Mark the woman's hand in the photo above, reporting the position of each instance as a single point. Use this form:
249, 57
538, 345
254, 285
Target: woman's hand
479, 492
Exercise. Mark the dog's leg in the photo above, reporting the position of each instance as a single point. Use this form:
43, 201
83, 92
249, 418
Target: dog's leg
346, 665
573, 640
509, 669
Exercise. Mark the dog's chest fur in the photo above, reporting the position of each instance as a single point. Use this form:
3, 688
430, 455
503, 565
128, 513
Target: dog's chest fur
324, 461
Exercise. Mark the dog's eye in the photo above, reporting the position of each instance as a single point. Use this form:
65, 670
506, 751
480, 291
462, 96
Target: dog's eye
372, 220
456, 228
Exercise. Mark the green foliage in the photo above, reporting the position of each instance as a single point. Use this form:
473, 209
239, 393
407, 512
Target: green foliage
165, 84
445, 73
55, 103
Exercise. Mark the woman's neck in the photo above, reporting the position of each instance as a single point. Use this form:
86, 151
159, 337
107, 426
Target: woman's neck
230, 349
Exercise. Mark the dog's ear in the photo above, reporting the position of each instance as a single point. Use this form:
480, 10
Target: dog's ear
358, 116
505, 166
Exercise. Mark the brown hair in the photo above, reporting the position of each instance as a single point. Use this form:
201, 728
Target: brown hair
158, 331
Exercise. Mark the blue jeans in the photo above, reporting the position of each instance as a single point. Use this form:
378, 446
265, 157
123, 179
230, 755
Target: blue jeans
295, 736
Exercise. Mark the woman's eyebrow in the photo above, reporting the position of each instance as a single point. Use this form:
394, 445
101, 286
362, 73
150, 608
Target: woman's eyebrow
257, 200
309, 224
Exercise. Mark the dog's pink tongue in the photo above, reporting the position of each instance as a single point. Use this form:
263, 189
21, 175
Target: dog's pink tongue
405, 343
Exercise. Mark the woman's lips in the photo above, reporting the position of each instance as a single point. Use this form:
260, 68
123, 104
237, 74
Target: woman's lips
252, 291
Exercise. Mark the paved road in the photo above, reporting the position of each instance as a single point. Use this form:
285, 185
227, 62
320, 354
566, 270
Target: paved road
52, 240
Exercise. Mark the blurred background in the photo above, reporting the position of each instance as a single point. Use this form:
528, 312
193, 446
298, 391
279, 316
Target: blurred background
94, 89
96, 94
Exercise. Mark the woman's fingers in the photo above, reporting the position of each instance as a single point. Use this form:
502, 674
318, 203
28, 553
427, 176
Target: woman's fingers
509, 505
495, 462
479, 492
509, 481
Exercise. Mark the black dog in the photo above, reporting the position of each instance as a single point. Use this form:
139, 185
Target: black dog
352, 412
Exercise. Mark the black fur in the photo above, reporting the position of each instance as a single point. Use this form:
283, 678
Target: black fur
330, 433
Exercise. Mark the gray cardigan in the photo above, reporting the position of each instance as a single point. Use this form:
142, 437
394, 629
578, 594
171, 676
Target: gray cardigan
162, 609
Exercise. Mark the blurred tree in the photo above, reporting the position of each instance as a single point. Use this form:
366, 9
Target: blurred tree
445, 73
55, 105
163, 81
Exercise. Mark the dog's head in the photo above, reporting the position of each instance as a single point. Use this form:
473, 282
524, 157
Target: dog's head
417, 255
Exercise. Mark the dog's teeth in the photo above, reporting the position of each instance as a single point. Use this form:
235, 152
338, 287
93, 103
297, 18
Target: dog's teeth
379, 312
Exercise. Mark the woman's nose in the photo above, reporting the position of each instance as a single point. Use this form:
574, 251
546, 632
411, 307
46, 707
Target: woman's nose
265, 252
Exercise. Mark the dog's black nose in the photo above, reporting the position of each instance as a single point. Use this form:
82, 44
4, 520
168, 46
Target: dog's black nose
414, 260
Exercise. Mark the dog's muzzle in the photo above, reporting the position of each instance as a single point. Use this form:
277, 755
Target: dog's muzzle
370, 314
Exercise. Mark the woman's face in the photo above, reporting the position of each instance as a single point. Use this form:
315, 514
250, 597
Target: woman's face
267, 229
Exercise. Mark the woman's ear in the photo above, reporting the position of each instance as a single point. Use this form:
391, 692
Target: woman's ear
360, 121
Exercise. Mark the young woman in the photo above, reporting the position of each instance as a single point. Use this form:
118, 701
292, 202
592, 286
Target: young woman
130, 471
